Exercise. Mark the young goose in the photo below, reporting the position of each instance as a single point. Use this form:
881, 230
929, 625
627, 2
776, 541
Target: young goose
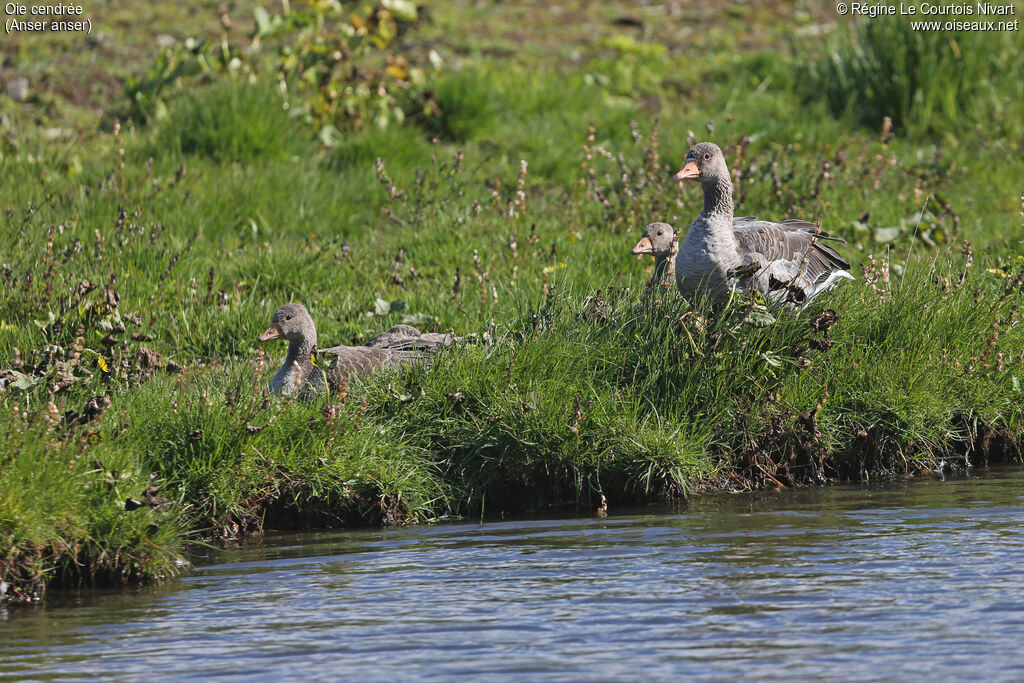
657, 240
292, 322
785, 261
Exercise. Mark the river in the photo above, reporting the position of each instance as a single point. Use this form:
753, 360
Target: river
900, 581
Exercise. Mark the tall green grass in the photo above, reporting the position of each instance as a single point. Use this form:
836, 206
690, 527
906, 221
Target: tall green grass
232, 120
62, 513
928, 82
610, 395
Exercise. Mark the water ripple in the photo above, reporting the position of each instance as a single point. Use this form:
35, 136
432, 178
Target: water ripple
911, 581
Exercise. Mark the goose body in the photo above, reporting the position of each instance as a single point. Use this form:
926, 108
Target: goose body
299, 374
788, 261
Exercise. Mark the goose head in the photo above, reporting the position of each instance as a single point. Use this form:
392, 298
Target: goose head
705, 163
657, 240
291, 322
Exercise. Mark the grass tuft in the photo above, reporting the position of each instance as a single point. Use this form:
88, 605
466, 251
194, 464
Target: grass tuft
461, 105
928, 82
232, 121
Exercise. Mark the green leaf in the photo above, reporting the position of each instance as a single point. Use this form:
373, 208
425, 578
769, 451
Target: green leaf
329, 136
381, 307
403, 10
417, 319
327, 361
1017, 384
108, 322
262, 18
759, 318
43, 324
883, 235
23, 381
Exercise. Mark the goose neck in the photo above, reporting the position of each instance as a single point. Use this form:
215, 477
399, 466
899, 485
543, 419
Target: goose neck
300, 352
718, 198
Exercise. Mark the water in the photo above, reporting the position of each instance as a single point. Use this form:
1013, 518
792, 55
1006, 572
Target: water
910, 581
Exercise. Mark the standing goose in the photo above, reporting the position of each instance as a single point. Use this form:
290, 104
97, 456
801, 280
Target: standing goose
785, 261
298, 374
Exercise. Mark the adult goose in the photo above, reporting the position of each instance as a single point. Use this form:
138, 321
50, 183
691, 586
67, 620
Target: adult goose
787, 261
298, 374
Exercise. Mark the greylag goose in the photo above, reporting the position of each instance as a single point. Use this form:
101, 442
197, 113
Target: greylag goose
298, 374
657, 240
786, 261
407, 337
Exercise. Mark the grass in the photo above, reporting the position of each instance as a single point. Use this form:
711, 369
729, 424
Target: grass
461, 106
232, 121
140, 264
928, 82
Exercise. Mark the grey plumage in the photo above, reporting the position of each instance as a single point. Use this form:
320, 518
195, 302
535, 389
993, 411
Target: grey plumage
408, 337
788, 261
334, 365
657, 240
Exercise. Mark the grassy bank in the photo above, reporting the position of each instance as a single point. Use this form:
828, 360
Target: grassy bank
142, 258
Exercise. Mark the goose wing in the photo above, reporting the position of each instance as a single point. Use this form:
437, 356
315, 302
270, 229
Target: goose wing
791, 255
408, 338
364, 359
789, 225
426, 342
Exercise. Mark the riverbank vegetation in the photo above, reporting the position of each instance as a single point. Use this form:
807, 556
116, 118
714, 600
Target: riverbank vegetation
465, 169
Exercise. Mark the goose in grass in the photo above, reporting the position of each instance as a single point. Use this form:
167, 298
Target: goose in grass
786, 262
298, 374
657, 240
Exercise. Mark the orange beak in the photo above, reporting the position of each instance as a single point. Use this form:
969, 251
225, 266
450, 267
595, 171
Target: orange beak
689, 172
273, 332
644, 246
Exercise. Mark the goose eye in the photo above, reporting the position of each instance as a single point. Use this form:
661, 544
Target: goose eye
287, 317
660, 233
707, 157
